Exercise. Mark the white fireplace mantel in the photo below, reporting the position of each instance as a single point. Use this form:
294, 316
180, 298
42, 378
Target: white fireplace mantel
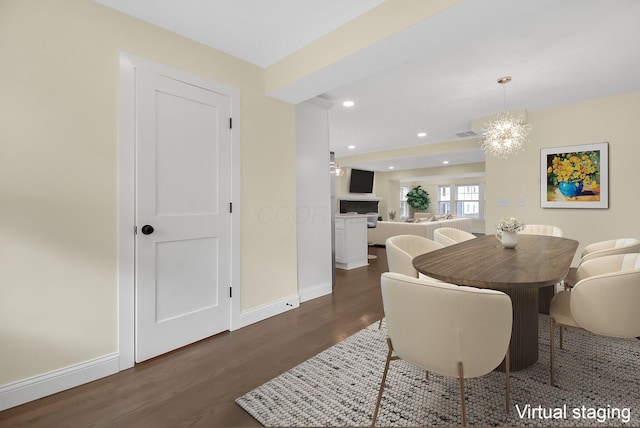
359, 197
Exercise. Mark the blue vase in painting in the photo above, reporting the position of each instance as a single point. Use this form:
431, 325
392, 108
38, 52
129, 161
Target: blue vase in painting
569, 189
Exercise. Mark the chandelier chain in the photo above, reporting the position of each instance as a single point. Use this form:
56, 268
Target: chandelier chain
504, 98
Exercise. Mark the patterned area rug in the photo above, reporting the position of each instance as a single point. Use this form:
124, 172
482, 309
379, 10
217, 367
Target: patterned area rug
598, 384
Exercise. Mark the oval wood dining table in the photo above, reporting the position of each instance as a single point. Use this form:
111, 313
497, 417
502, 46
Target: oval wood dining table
537, 261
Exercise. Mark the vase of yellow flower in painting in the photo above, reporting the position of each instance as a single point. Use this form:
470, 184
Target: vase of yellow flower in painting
571, 172
570, 189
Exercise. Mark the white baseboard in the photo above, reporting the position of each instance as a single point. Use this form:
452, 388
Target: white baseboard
352, 265
271, 309
26, 390
314, 292
23, 391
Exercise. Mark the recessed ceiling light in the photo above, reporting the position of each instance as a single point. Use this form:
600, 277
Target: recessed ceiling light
391, 167
351, 147
422, 134
348, 103
445, 162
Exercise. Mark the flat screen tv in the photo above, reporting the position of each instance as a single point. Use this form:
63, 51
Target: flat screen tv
361, 181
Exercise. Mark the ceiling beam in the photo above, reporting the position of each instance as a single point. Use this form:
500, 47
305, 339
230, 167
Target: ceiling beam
354, 50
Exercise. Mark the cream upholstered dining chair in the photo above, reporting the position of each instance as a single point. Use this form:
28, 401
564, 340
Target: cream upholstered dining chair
401, 249
545, 294
603, 248
610, 247
604, 300
449, 236
462, 332
542, 229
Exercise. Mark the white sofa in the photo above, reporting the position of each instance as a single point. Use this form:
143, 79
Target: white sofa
385, 229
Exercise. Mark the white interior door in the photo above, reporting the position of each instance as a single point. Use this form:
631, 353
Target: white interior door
183, 194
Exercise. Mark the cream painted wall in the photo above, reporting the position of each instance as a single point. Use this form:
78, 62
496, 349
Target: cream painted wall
58, 177
613, 119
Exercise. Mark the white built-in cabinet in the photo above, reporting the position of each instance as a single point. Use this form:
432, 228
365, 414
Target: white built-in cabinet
351, 241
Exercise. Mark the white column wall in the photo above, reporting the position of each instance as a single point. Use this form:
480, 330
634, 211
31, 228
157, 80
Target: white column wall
313, 199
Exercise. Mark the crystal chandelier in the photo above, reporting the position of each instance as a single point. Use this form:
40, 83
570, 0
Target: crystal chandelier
506, 134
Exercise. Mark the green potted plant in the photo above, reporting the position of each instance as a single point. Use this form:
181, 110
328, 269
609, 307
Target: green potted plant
418, 199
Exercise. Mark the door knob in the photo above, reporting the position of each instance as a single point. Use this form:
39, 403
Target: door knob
147, 229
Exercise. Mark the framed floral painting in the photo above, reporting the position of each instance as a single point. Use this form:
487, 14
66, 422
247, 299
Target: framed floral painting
575, 176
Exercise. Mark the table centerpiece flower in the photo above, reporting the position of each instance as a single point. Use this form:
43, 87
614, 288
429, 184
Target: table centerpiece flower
508, 231
510, 224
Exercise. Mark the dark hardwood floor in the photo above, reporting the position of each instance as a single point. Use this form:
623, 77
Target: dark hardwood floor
196, 386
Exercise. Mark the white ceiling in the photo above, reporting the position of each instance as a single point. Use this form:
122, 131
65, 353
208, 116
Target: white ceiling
438, 75
258, 31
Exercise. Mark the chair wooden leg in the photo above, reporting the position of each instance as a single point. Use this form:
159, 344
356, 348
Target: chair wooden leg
462, 403
552, 327
508, 381
384, 379
561, 338
380, 323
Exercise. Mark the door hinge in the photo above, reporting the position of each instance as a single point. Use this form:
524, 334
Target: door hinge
135, 230
230, 292
231, 207
230, 123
